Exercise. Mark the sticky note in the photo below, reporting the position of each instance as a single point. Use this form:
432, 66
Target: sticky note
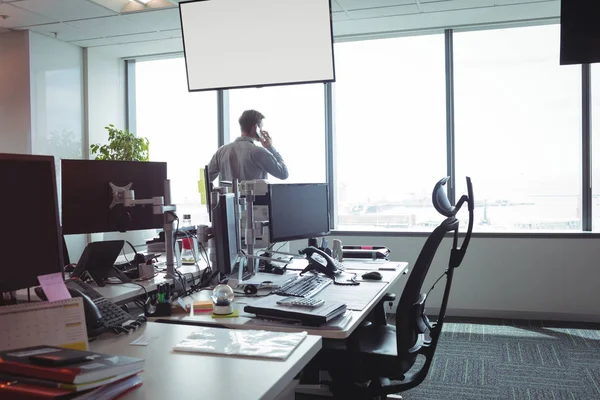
54, 286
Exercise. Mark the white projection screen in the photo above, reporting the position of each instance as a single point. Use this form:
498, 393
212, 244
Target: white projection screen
252, 43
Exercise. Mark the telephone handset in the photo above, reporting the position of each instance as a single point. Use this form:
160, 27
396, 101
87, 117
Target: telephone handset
319, 261
259, 133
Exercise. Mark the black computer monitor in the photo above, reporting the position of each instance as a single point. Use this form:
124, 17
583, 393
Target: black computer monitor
31, 239
87, 195
225, 232
298, 211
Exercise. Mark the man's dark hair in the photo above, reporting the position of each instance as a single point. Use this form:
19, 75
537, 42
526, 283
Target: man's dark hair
250, 118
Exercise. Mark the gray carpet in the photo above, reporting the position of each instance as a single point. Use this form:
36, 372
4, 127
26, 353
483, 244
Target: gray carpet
507, 359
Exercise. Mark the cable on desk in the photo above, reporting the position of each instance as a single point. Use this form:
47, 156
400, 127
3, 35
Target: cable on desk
353, 281
133, 283
206, 257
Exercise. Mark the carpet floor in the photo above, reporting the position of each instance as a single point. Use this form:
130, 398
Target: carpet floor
513, 359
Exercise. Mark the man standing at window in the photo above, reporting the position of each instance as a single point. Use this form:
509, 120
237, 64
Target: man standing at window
245, 161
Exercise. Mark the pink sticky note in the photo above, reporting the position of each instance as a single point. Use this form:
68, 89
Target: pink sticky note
54, 286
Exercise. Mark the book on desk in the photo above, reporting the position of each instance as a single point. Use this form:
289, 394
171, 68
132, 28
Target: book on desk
54, 372
268, 308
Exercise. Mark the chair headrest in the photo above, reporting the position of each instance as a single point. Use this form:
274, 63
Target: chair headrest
440, 199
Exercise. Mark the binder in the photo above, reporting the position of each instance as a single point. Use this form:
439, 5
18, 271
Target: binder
268, 308
53, 323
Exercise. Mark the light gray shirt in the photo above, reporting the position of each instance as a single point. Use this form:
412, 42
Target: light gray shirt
243, 160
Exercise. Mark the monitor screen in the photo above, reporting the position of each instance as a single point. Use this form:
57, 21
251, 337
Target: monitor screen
579, 32
225, 232
87, 195
30, 221
262, 43
298, 211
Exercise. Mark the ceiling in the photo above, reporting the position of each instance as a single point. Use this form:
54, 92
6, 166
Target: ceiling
101, 24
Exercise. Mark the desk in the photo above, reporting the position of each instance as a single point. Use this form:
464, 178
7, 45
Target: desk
249, 321
169, 374
121, 293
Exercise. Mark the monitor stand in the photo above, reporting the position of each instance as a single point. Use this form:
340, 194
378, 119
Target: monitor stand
244, 271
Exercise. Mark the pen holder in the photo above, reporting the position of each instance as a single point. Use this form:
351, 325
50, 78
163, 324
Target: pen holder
162, 310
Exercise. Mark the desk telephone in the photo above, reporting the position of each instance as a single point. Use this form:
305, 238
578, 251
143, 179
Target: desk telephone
322, 262
100, 313
319, 261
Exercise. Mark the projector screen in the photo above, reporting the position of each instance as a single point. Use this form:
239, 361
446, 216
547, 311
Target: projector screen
247, 43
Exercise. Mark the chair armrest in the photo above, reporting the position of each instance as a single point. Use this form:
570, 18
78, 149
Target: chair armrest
389, 297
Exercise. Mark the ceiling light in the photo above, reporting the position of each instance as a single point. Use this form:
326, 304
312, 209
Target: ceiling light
140, 5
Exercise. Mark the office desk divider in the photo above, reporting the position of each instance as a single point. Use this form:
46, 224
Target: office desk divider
231, 342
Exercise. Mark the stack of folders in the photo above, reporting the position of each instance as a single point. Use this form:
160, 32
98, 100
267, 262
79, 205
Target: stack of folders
47, 372
268, 308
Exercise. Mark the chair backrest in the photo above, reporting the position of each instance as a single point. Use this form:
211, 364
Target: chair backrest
411, 321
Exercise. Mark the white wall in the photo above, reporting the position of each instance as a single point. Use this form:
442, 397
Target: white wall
105, 83
508, 278
15, 122
56, 83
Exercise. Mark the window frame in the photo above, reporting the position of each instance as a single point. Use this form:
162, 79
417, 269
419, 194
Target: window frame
329, 110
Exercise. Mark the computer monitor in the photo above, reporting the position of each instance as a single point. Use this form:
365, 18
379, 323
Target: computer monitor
87, 195
30, 221
225, 232
298, 211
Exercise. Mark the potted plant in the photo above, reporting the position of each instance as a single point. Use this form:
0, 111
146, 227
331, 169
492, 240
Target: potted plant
122, 146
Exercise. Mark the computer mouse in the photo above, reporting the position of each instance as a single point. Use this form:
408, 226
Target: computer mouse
373, 276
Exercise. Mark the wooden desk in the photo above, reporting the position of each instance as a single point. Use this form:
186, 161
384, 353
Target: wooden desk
168, 374
335, 330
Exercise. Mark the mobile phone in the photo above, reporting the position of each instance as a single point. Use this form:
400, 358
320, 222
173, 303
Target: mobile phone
259, 132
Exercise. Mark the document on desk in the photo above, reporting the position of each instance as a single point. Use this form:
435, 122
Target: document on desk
355, 297
233, 342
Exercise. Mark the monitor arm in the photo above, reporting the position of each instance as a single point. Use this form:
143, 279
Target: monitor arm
124, 195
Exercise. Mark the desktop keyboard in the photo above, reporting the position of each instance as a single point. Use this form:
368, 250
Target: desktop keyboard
304, 286
112, 314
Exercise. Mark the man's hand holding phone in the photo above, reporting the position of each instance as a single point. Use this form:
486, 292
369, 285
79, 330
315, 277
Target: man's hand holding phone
264, 137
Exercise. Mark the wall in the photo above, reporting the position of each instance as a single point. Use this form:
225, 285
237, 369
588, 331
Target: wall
508, 278
105, 83
15, 125
56, 83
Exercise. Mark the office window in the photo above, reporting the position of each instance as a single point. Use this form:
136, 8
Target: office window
390, 132
295, 119
518, 129
595, 147
181, 127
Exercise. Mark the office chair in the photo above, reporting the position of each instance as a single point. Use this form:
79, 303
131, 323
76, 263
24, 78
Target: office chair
376, 360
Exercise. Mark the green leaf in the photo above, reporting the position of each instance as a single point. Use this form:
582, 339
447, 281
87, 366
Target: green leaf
122, 145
